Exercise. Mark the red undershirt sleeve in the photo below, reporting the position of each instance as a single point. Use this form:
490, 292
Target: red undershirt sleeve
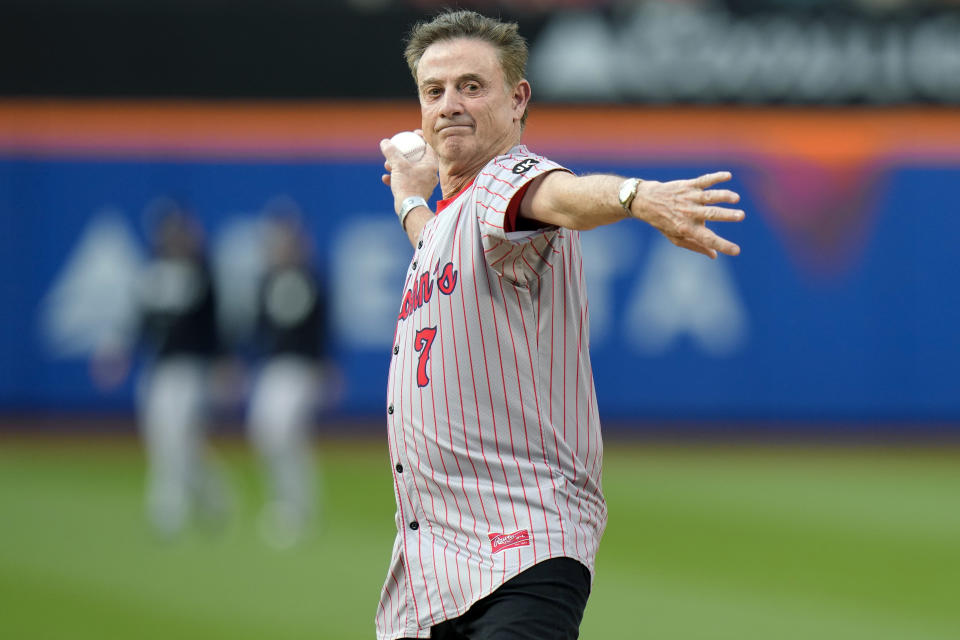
513, 209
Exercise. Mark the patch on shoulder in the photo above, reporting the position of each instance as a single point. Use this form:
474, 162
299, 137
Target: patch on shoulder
525, 165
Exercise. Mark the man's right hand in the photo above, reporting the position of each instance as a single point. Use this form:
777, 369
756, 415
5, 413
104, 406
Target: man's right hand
406, 178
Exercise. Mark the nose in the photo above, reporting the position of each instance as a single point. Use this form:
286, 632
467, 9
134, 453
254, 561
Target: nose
450, 104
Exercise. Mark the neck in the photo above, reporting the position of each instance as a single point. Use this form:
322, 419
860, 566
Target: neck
456, 174
454, 178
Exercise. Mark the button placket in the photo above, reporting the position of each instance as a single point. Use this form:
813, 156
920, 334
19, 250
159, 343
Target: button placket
407, 485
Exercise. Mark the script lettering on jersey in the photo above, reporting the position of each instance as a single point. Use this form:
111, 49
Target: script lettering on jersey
422, 290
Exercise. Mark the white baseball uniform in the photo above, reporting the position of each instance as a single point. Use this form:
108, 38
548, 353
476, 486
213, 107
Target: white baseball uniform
492, 416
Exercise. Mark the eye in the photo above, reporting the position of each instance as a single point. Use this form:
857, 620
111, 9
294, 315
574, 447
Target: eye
431, 92
471, 87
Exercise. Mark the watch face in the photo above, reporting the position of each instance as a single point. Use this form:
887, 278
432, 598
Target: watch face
626, 190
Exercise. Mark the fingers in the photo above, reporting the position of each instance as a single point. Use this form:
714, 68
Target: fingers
710, 253
711, 179
715, 242
691, 210
714, 196
703, 240
728, 248
386, 179
719, 214
388, 149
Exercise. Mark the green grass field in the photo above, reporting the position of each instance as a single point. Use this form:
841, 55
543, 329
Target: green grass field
702, 543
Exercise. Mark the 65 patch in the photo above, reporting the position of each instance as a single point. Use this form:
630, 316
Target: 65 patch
525, 165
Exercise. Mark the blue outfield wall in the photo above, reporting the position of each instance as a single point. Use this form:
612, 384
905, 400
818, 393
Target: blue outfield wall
844, 304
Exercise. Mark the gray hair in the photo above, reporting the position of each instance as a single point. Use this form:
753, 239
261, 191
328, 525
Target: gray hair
504, 36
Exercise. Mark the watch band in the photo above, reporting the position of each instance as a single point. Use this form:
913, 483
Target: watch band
408, 205
627, 192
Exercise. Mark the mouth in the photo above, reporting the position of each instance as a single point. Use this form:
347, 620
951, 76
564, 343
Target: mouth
455, 128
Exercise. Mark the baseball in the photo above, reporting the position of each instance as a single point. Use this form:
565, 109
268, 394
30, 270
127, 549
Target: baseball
410, 145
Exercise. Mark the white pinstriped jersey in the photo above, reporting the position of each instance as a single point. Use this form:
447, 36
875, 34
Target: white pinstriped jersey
492, 416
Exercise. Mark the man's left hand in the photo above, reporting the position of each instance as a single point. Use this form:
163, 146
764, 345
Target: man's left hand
680, 210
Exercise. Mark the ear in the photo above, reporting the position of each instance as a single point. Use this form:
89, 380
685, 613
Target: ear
521, 97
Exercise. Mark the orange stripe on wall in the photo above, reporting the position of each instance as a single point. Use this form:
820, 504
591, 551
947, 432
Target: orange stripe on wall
352, 130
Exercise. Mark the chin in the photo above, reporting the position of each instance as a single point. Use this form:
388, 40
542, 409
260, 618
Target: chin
456, 148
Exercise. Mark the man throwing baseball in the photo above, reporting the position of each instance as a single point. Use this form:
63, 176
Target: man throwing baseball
492, 417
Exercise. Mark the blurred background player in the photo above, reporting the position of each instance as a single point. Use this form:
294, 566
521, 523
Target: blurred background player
176, 326
290, 338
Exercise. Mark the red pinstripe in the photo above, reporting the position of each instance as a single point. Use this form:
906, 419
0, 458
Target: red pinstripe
483, 350
411, 382
556, 443
496, 504
490, 224
499, 244
518, 255
487, 174
493, 416
446, 476
563, 256
503, 380
523, 415
576, 403
426, 261
463, 485
501, 196
455, 247
395, 447
502, 258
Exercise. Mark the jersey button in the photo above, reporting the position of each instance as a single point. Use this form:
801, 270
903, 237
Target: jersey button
414, 265
420, 245
396, 350
390, 409
399, 468
414, 525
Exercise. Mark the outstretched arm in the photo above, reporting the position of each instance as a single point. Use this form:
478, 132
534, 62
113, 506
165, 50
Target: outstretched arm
678, 209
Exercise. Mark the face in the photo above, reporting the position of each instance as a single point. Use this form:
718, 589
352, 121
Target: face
469, 114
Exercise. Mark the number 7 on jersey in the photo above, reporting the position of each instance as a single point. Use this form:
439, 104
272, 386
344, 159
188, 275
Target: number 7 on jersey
423, 342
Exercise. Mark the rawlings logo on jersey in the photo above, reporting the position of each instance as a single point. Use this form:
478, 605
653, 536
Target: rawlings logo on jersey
501, 541
422, 290
524, 165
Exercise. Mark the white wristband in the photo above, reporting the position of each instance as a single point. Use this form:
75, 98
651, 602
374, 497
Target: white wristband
408, 205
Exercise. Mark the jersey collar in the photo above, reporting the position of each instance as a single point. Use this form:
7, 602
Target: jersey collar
443, 204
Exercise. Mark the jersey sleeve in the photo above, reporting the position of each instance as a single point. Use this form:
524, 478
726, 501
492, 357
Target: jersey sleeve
518, 256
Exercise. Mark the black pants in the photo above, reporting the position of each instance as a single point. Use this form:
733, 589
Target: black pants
545, 602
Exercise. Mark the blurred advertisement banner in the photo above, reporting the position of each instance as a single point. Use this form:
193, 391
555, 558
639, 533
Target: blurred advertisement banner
635, 51
842, 305
691, 52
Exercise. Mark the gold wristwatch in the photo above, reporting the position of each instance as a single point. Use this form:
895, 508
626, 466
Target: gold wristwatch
627, 192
